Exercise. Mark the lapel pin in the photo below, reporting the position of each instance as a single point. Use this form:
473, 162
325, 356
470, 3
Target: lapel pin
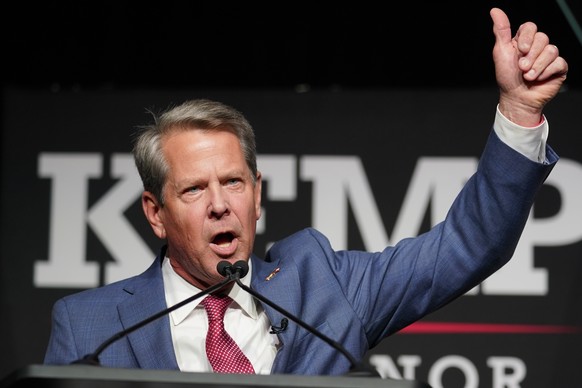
272, 274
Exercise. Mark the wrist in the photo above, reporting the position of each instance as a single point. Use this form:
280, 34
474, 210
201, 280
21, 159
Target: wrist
520, 114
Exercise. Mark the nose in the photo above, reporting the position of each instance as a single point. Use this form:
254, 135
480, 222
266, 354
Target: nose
218, 206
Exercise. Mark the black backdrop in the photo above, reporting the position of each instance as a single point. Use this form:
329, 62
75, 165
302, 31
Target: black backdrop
391, 88
176, 43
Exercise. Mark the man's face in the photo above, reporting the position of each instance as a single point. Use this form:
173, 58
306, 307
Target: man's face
211, 205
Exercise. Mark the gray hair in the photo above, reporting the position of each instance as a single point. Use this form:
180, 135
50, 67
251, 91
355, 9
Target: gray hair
199, 114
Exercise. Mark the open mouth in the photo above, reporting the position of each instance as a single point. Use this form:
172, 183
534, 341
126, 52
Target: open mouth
223, 239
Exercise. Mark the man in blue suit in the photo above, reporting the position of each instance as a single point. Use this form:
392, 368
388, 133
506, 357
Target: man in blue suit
202, 195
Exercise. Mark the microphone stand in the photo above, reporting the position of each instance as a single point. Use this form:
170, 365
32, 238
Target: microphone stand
93, 358
357, 369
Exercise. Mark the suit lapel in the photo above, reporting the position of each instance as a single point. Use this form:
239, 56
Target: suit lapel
152, 343
273, 280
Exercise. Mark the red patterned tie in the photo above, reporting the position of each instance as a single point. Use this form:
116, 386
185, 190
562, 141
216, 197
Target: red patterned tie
223, 353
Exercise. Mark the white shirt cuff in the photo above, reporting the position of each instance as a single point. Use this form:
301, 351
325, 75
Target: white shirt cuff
529, 141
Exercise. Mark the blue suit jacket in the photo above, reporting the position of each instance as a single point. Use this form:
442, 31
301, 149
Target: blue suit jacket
356, 298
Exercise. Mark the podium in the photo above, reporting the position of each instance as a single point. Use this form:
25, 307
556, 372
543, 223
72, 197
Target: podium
87, 376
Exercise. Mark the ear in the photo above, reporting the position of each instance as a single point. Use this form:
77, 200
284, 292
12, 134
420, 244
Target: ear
257, 192
152, 210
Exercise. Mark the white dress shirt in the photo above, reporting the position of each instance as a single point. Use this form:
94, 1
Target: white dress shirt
246, 321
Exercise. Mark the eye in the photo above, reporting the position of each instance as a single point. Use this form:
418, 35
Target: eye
194, 189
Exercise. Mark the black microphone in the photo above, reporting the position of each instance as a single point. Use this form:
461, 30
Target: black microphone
241, 268
93, 358
279, 329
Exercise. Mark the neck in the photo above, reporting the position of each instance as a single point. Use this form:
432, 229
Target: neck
192, 280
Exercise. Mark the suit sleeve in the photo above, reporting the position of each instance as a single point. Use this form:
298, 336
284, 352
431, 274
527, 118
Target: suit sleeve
391, 289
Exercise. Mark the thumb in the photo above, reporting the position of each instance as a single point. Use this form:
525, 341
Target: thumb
501, 26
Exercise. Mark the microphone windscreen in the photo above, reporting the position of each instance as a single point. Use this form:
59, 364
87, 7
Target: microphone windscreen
223, 266
242, 267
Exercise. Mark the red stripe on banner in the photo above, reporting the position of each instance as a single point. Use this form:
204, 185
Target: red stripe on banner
481, 328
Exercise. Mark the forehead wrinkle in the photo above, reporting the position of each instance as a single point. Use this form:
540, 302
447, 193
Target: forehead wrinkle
196, 161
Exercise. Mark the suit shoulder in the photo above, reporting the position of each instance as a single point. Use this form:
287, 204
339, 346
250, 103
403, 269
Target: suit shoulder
307, 235
120, 289
303, 243
108, 291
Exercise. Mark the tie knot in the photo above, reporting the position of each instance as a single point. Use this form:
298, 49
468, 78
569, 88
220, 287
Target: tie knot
216, 306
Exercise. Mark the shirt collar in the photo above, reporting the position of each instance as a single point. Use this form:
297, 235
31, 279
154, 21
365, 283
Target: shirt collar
177, 289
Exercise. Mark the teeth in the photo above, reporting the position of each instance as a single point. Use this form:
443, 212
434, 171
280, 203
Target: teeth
224, 244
